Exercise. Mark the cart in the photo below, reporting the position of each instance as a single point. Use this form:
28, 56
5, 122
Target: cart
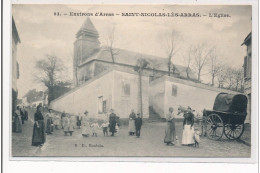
227, 117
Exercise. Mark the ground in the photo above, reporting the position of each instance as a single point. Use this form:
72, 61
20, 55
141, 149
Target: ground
149, 144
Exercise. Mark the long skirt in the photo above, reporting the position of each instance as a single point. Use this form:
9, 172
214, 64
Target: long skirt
112, 127
85, 129
38, 137
170, 132
131, 127
17, 124
78, 122
188, 135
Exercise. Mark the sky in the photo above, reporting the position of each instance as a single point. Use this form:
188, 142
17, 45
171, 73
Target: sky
43, 33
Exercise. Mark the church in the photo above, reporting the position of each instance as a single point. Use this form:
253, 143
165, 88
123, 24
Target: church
103, 81
90, 58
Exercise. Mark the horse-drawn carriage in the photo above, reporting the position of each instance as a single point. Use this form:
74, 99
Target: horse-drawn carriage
228, 116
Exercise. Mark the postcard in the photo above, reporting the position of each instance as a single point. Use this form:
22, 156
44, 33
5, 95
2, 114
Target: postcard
136, 81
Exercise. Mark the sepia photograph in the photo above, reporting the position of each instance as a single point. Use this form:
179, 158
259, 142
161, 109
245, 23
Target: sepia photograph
131, 81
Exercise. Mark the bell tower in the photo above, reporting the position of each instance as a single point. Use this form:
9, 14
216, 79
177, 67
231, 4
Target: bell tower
86, 44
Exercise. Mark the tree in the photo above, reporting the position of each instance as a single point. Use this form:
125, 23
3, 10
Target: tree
201, 55
221, 76
172, 46
188, 62
49, 73
238, 79
215, 66
110, 40
141, 64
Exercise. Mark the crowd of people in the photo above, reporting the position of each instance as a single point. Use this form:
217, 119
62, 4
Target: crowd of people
190, 135
19, 117
68, 122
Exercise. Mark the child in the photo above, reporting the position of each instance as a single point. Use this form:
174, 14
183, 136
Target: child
68, 125
105, 126
49, 124
197, 137
79, 118
94, 128
56, 121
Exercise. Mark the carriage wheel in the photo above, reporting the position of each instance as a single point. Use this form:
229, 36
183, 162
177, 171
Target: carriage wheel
214, 127
234, 131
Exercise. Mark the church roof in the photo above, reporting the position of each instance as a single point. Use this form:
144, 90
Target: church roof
88, 28
130, 58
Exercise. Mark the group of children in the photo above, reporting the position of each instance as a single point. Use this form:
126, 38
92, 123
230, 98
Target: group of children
69, 122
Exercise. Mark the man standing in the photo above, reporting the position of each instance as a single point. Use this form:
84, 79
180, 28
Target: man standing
112, 122
138, 125
170, 128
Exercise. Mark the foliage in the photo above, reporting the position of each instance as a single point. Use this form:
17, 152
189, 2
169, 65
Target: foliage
50, 72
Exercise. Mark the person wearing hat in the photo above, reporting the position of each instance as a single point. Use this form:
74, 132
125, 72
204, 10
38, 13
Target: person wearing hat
38, 137
170, 128
85, 127
188, 129
112, 122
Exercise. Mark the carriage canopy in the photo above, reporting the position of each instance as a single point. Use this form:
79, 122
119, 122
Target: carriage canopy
233, 103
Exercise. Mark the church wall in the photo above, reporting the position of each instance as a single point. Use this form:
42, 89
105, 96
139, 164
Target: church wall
86, 97
127, 98
85, 73
106, 90
178, 92
156, 97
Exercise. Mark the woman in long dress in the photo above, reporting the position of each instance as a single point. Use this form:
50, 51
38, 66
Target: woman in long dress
38, 137
131, 127
188, 129
85, 127
170, 128
112, 122
17, 121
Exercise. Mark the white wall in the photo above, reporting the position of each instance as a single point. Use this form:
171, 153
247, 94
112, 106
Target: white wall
197, 96
86, 96
108, 85
122, 103
157, 96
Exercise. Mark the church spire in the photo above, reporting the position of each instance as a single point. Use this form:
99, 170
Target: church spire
87, 29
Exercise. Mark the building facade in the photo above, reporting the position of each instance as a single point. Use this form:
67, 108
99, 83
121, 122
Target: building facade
15, 66
110, 89
248, 73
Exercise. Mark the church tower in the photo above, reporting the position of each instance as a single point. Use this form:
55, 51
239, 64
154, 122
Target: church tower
86, 44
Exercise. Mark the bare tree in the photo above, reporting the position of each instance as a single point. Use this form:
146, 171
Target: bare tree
188, 59
141, 64
49, 72
238, 79
110, 41
172, 46
221, 76
201, 55
215, 66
